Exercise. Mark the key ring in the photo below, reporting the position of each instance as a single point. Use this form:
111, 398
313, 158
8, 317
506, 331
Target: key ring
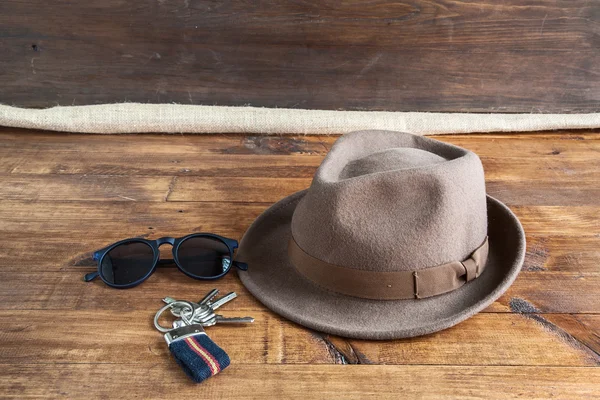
194, 351
183, 315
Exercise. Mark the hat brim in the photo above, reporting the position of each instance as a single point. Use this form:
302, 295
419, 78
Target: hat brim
273, 280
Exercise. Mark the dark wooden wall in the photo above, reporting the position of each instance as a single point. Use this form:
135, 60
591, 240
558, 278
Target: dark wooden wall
481, 56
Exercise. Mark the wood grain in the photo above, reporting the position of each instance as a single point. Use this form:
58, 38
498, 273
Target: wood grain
162, 380
485, 56
64, 289
63, 196
520, 170
106, 162
549, 229
27, 140
515, 340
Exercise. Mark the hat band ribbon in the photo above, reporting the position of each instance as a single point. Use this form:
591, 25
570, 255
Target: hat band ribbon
382, 285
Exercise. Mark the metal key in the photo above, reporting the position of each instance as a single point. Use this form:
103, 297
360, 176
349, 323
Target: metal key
203, 312
211, 295
176, 311
225, 299
233, 320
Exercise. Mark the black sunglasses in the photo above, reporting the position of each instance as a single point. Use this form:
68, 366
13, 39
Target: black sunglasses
129, 262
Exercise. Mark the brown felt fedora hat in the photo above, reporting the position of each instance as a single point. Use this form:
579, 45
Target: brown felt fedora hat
394, 238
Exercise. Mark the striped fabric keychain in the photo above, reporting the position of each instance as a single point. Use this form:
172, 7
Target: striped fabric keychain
193, 350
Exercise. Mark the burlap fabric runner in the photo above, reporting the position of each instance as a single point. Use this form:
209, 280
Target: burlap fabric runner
176, 118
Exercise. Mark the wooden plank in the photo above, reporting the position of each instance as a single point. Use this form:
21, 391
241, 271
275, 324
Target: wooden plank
220, 155
105, 336
536, 192
260, 190
528, 178
551, 293
66, 291
545, 193
41, 143
116, 184
560, 238
537, 292
560, 144
582, 326
542, 169
577, 255
472, 341
164, 379
505, 158
566, 142
92, 223
375, 17
557, 145
54, 235
145, 164
84, 187
552, 220
445, 56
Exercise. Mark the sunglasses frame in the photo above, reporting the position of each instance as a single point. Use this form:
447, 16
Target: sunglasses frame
99, 255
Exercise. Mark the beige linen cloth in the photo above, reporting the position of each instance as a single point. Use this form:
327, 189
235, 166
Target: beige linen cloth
178, 118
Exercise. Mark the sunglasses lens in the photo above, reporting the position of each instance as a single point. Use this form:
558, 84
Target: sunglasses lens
127, 263
204, 256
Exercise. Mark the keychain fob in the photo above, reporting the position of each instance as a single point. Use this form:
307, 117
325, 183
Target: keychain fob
199, 357
195, 352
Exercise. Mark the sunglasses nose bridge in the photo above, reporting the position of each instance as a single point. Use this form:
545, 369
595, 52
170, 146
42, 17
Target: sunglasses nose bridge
165, 240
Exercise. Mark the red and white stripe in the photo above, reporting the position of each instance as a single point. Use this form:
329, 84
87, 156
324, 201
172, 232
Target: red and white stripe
205, 354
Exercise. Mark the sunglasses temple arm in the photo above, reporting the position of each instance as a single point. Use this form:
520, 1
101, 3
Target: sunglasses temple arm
91, 276
241, 265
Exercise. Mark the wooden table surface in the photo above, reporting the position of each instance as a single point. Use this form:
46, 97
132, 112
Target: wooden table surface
63, 196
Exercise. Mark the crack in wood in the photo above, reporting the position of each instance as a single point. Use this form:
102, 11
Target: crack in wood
530, 311
342, 349
170, 188
82, 260
360, 357
335, 353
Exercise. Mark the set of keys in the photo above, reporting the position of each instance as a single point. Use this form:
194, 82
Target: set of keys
204, 310
198, 355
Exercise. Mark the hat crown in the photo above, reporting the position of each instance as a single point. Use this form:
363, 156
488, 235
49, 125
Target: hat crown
389, 201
